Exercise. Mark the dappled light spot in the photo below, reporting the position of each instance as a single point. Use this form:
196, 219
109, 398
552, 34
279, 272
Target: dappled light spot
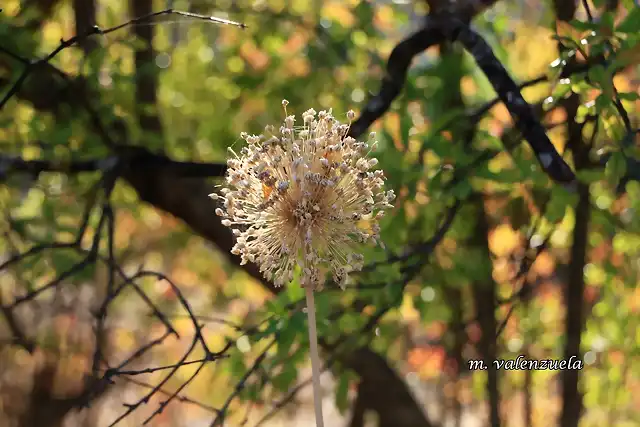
163, 60
590, 357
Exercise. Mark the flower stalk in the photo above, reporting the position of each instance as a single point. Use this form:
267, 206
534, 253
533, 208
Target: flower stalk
315, 357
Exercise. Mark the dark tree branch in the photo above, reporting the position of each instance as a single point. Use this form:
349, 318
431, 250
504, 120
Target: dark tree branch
132, 157
220, 418
19, 336
574, 292
393, 81
552, 163
574, 287
164, 392
400, 59
449, 26
359, 408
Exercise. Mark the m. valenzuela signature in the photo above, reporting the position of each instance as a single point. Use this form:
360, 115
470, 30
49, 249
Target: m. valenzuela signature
521, 363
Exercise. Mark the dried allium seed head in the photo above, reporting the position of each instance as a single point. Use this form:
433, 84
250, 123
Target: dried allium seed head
304, 196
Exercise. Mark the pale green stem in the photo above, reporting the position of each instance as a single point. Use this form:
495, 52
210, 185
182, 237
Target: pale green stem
315, 358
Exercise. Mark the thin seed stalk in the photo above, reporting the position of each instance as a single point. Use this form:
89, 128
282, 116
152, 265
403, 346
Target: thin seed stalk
315, 358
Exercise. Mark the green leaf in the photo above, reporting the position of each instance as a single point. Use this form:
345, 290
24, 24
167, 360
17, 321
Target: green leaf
603, 102
250, 392
276, 307
462, 190
598, 74
86, 274
48, 211
582, 26
294, 291
289, 333
32, 204
557, 206
590, 176
63, 260
473, 270
629, 96
626, 243
561, 90
607, 20
342, 393
349, 322
505, 176
391, 160
616, 167
272, 327
630, 24
580, 86
285, 379
237, 365
633, 190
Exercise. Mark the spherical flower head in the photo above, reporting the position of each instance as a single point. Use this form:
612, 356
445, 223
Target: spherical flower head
304, 195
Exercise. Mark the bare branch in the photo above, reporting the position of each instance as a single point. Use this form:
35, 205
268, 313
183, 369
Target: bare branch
95, 30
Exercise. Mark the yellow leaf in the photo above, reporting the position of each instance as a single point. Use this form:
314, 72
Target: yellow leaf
500, 112
337, 11
468, 86
384, 18
407, 310
503, 240
545, 264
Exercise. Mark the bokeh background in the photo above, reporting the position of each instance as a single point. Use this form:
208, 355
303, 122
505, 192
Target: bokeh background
120, 302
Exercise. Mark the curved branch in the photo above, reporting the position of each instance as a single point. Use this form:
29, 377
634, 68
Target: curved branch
400, 59
532, 130
392, 83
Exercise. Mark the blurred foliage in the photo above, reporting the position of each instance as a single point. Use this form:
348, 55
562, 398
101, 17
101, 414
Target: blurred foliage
217, 81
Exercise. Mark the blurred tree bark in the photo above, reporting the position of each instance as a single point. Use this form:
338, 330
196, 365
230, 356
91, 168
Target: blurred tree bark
484, 295
85, 16
574, 286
